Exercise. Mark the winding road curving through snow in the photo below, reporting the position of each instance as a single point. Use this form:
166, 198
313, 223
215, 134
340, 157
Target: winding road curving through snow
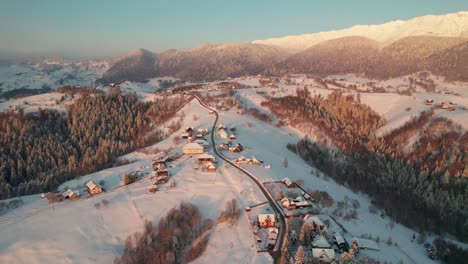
271, 200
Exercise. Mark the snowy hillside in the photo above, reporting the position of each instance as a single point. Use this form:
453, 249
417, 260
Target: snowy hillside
87, 230
49, 75
450, 25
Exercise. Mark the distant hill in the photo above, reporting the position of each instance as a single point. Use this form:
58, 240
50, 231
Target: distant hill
216, 61
138, 65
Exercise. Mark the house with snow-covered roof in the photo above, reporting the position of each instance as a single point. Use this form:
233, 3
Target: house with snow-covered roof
93, 188
320, 242
205, 158
324, 255
314, 222
192, 148
70, 194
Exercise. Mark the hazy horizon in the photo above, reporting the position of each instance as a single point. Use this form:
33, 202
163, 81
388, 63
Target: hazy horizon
88, 29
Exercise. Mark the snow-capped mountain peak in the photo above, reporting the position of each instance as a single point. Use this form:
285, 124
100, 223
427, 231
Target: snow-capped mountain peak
450, 25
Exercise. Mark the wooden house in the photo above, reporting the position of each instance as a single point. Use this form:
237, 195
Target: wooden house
192, 149
70, 194
162, 176
288, 183
224, 146
266, 220
157, 166
93, 188
210, 167
205, 158
237, 149
288, 203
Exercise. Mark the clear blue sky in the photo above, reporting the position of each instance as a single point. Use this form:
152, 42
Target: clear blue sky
101, 28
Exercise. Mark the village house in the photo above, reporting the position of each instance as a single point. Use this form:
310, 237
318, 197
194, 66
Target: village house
244, 160
429, 102
288, 182
70, 194
288, 203
192, 149
324, 255
340, 242
266, 220
162, 176
203, 131
314, 222
93, 188
188, 132
158, 166
320, 242
237, 149
224, 146
222, 133
210, 167
186, 135
205, 158
202, 143
272, 236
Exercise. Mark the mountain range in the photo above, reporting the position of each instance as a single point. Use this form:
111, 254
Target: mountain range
438, 44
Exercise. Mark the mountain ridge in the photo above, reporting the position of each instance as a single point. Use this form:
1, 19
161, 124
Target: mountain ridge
448, 25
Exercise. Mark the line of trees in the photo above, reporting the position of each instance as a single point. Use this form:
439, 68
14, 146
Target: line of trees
41, 150
418, 173
180, 237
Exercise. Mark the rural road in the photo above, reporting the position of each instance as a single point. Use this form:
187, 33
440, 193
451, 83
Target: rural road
260, 185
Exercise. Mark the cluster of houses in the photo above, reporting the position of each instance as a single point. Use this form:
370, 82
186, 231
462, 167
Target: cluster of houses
191, 135
91, 188
449, 106
251, 161
444, 105
208, 161
198, 148
160, 174
223, 134
268, 223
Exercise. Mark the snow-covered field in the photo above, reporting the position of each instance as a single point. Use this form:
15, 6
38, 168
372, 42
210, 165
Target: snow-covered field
78, 232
